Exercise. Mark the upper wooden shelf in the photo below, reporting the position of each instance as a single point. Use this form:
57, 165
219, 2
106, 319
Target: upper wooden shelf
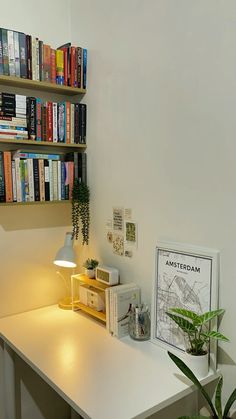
40, 85
14, 144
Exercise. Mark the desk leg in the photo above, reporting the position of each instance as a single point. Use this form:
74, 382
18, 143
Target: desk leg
9, 383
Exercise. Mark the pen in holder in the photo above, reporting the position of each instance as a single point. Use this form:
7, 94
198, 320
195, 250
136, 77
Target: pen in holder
139, 322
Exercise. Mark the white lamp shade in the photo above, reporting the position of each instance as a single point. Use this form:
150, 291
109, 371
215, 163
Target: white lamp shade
65, 256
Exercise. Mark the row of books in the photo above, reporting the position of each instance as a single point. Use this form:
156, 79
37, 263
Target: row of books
23, 117
29, 177
28, 57
119, 299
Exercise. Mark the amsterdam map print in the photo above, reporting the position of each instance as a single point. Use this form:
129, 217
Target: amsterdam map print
184, 281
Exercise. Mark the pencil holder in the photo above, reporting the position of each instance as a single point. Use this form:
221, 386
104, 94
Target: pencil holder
139, 322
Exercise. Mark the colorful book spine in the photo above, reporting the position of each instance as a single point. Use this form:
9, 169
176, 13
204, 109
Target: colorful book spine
46, 180
41, 61
31, 117
84, 68
79, 59
55, 180
11, 53
53, 66
13, 171
5, 53
1, 53
31, 179
17, 53
23, 55
61, 123
37, 59
8, 175
50, 180
41, 180
18, 180
28, 155
59, 180
68, 126
29, 57
54, 121
36, 180
46, 63
49, 122
2, 179
63, 180
59, 66
22, 180
26, 181
72, 67
38, 119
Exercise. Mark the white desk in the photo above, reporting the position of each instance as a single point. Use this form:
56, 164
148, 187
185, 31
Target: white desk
101, 377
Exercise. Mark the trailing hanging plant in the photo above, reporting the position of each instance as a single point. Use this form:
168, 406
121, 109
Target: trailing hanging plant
80, 211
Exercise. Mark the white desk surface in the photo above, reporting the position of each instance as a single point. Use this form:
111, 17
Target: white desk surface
100, 376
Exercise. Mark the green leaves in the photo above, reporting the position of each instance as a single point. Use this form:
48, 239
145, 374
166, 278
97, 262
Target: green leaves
218, 403
189, 374
206, 317
215, 335
80, 210
217, 410
195, 326
230, 402
186, 313
184, 324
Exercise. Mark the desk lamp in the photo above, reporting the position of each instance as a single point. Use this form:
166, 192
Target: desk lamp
65, 258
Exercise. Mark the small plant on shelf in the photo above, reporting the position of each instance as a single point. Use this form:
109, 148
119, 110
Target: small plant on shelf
196, 327
90, 266
80, 211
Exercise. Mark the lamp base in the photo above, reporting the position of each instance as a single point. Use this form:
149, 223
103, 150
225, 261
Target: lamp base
65, 303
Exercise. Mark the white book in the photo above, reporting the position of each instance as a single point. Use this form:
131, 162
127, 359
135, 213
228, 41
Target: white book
122, 302
31, 179
18, 180
113, 289
50, 180
11, 53
37, 59
55, 180
13, 171
17, 53
41, 180
26, 176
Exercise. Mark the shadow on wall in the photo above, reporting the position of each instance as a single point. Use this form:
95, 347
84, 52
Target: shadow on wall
28, 217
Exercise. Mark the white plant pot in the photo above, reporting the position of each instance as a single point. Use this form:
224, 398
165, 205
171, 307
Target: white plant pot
90, 273
198, 364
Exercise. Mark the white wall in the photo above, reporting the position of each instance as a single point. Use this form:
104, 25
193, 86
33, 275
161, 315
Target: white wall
31, 235
161, 130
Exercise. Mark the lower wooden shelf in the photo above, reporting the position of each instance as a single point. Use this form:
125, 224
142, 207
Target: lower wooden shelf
91, 284
64, 201
98, 314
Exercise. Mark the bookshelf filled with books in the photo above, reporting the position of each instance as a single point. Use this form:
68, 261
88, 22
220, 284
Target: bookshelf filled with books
42, 141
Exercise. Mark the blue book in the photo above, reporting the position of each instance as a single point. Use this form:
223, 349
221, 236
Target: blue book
23, 55
63, 189
26, 155
84, 68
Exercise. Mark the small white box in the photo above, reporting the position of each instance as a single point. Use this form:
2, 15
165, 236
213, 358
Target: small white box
92, 297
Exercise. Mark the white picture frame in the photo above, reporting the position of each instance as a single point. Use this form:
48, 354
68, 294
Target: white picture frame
182, 269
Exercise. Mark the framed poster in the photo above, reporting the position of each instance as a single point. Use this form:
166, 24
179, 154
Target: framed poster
186, 277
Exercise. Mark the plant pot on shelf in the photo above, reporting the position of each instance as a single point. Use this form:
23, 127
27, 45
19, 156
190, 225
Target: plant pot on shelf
90, 273
198, 364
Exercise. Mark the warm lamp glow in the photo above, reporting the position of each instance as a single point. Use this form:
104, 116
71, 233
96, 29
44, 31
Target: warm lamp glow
65, 258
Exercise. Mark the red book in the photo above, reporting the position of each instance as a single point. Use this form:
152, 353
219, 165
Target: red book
8, 175
53, 65
49, 121
72, 67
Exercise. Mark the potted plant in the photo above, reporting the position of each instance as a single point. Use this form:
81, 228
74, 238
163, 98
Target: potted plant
216, 409
90, 265
196, 328
80, 210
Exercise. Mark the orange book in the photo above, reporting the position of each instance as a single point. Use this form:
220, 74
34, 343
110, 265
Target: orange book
46, 63
8, 175
53, 66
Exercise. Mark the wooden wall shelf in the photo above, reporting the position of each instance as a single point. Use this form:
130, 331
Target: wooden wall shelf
41, 85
